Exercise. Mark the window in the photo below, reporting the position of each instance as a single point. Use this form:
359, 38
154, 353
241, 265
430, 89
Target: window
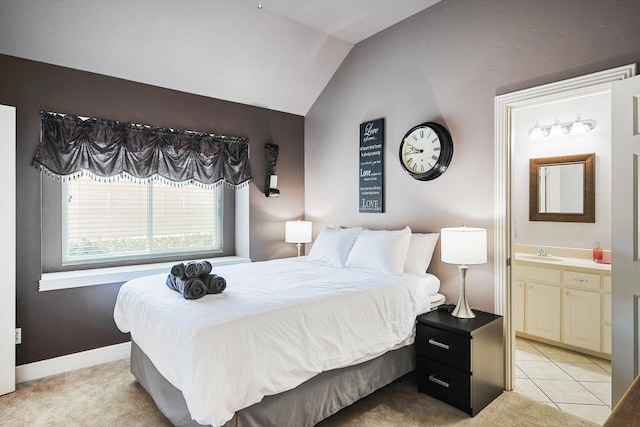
103, 221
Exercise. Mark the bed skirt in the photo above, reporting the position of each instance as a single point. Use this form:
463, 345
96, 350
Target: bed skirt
305, 405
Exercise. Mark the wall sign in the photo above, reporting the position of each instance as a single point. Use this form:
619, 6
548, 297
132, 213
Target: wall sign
371, 166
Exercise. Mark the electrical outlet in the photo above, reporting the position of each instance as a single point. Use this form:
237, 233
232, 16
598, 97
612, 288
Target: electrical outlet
18, 335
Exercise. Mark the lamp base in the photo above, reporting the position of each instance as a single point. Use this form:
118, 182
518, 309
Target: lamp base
462, 309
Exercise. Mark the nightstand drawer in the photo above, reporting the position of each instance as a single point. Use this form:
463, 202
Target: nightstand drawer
442, 346
444, 383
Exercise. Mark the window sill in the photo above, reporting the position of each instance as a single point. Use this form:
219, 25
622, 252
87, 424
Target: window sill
102, 276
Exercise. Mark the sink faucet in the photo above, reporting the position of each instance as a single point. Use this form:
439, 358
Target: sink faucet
542, 252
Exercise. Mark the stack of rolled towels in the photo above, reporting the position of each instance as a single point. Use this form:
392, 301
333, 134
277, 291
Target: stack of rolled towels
194, 280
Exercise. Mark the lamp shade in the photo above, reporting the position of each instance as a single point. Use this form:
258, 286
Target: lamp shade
297, 231
463, 245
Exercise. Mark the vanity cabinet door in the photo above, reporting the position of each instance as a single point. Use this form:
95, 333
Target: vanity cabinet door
518, 309
542, 311
581, 325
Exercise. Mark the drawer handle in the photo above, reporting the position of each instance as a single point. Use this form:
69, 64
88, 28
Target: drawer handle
580, 280
433, 379
438, 344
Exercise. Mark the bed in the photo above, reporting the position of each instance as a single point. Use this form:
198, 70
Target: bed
290, 341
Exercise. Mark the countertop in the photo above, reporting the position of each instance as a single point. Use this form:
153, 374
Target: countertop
562, 261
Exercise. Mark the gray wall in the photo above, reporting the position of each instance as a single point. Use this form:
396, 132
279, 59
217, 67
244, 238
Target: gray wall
447, 64
61, 322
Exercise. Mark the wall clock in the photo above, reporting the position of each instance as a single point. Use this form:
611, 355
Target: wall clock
426, 151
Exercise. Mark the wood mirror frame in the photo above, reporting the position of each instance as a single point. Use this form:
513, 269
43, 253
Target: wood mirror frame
589, 190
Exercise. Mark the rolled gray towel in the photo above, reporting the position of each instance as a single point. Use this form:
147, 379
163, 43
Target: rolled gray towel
193, 288
171, 282
197, 269
215, 284
178, 270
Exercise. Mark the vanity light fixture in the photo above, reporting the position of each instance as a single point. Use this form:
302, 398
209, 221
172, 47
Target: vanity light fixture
566, 128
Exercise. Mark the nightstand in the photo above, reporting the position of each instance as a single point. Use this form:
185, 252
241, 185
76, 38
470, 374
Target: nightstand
460, 361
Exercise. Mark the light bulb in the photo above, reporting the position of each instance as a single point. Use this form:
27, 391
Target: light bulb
577, 127
536, 132
589, 125
556, 129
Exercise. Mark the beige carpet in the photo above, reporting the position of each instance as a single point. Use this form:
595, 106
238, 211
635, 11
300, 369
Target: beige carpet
108, 395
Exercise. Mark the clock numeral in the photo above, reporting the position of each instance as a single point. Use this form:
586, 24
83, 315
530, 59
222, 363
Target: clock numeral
415, 138
436, 148
422, 134
434, 139
421, 168
434, 157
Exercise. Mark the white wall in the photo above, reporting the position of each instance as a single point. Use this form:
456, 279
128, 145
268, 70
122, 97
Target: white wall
565, 234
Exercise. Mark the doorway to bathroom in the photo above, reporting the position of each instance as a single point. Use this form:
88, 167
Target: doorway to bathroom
561, 296
518, 118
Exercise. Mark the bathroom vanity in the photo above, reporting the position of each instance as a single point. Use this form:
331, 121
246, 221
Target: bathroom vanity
562, 297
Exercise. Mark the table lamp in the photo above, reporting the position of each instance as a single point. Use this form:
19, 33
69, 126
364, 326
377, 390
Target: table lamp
297, 232
463, 246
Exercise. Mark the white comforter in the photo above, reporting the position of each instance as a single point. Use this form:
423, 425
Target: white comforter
277, 324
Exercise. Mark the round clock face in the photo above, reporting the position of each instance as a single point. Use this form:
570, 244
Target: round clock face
426, 151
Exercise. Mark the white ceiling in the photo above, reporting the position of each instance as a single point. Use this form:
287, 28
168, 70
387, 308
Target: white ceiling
348, 20
279, 56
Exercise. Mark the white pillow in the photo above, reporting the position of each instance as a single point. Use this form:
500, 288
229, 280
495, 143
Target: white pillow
420, 253
333, 244
383, 251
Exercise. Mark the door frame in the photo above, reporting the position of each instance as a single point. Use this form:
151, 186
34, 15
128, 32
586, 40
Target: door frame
504, 105
8, 249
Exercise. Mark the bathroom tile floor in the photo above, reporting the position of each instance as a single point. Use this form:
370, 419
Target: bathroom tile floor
573, 382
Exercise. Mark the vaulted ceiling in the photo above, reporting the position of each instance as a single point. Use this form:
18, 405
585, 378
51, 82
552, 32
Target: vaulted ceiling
278, 54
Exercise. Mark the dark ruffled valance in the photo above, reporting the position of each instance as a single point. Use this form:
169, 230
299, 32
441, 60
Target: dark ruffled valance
71, 145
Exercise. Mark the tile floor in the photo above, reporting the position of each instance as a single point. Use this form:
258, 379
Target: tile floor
573, 382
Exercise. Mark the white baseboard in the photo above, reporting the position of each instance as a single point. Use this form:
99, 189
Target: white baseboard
70, 362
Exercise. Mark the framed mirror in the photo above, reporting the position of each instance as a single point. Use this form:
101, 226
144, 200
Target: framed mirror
562, 189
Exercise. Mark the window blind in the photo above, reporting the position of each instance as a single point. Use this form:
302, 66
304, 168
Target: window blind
122, 219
